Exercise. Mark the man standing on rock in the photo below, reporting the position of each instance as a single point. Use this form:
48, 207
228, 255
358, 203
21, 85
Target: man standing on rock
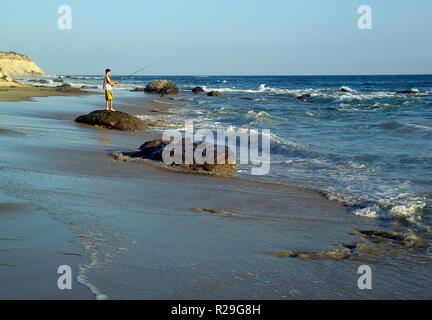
109, 97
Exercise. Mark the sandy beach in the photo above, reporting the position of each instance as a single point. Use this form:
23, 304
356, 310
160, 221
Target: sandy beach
131, 230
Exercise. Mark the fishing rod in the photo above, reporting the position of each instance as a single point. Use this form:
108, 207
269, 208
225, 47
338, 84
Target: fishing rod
138, 71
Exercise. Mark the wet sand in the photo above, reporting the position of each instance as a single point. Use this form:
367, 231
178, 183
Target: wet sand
27, 92
32, 247
135, 231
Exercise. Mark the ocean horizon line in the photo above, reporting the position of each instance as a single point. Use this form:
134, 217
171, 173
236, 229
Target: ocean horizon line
248, 75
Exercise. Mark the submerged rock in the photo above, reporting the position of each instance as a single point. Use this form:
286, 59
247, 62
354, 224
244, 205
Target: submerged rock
381, 243
345, 89
67, 88
304, 96
407, 239
411, 240
153, 150
116, 120
331, 254
412, 91
39, 81
162, 87
197, 90
138, 90
382, 234
64, 86
216, 212
214, 94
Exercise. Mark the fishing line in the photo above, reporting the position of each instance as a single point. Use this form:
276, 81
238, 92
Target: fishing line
143, 68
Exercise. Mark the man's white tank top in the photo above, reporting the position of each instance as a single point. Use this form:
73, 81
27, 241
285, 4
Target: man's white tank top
106, 85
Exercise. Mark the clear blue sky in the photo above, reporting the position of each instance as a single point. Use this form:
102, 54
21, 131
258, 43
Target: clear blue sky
234, 37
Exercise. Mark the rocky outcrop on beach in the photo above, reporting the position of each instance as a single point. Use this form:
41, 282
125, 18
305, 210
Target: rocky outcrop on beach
381, 242
7, 81
4, 76
162, 87
197, 90
16, 64
115, 120
153, 150
214, 94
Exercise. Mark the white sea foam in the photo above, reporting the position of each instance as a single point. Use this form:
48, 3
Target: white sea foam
323, 93
403, 206
258, 115
262, 88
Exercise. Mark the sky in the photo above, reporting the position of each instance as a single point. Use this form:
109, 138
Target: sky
235, 37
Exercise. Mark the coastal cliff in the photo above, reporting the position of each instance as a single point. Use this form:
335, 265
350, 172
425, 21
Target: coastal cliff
15, 64
6, 80
4, 76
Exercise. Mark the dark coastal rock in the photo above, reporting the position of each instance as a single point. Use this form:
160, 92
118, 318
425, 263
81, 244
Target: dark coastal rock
406, 239
116, 120
39, 81
67, 88
215, 212
345, 89
66, 85
304, 96
153, 150
138, 90
58, 80
381, 243
180, 99
412, 91
382, 234
197, 90
411, 240
214, 94
331, 254
162, 87
68, 77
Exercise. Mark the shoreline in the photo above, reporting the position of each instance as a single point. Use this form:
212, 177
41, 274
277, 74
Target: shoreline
28, 92
147, 233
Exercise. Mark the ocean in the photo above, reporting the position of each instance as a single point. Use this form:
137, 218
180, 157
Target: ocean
368, 148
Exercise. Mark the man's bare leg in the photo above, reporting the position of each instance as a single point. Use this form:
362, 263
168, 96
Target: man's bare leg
107, 106
111, 108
